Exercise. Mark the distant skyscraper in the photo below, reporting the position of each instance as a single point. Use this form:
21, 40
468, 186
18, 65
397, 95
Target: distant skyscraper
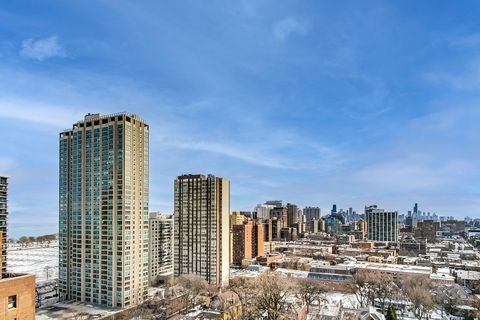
334, 208
160, 247
3, 222
292, 215
311, 213
103, 236
275, 203
415, 209
202, 235
381, 225
263, 211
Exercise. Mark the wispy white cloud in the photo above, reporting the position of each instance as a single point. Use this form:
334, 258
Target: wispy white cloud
42, 49
288, 26
38, 112
467, 78
240, 153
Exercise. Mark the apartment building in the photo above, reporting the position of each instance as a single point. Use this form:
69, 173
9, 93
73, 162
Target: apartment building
103, 227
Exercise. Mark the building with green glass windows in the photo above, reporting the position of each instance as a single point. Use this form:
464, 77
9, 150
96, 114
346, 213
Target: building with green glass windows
103, 227
3, 223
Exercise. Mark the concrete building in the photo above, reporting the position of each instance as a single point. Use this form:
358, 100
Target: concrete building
103, 227
292, 215
202, 236
3, 222
381, 225
263, 211
279, 213
160, 247
311, 213
275, 203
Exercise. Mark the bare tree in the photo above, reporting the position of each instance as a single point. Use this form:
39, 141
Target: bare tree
192, 286
23, 241
384, 291
309, 291
245, 289
271, 297
362, 288
417, 291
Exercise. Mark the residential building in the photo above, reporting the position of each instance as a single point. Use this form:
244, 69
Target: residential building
292, 215
279, 213
103, 235
17, 291
202, 238
17, 296
263, 211
275, 203
160, 247
381, 225
3, 222
427, 229
236, 218
248, 241
311, 213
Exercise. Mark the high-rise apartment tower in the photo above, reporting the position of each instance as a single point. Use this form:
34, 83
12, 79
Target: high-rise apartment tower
202, 236
381, 225
103, 236
3, 222
161, 247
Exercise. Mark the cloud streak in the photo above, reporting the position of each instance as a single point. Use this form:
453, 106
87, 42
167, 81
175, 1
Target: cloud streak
42, 49
287, 27
38, 112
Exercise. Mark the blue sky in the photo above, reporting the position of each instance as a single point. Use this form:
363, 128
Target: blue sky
311, 102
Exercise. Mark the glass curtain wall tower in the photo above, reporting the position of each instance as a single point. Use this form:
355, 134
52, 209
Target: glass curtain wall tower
103, 249
3, 223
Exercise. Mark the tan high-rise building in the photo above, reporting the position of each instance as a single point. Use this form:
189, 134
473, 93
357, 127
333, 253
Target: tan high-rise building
103, 236
236, 218
201, 222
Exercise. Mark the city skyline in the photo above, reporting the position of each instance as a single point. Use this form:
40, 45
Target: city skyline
313, 104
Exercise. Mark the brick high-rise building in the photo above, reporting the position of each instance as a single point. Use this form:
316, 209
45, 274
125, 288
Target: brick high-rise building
103, 236
202, 235
247, 241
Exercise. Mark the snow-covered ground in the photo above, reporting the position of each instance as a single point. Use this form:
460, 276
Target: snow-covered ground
35, 259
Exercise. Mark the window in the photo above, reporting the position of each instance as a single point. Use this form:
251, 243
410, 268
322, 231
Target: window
12, 302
